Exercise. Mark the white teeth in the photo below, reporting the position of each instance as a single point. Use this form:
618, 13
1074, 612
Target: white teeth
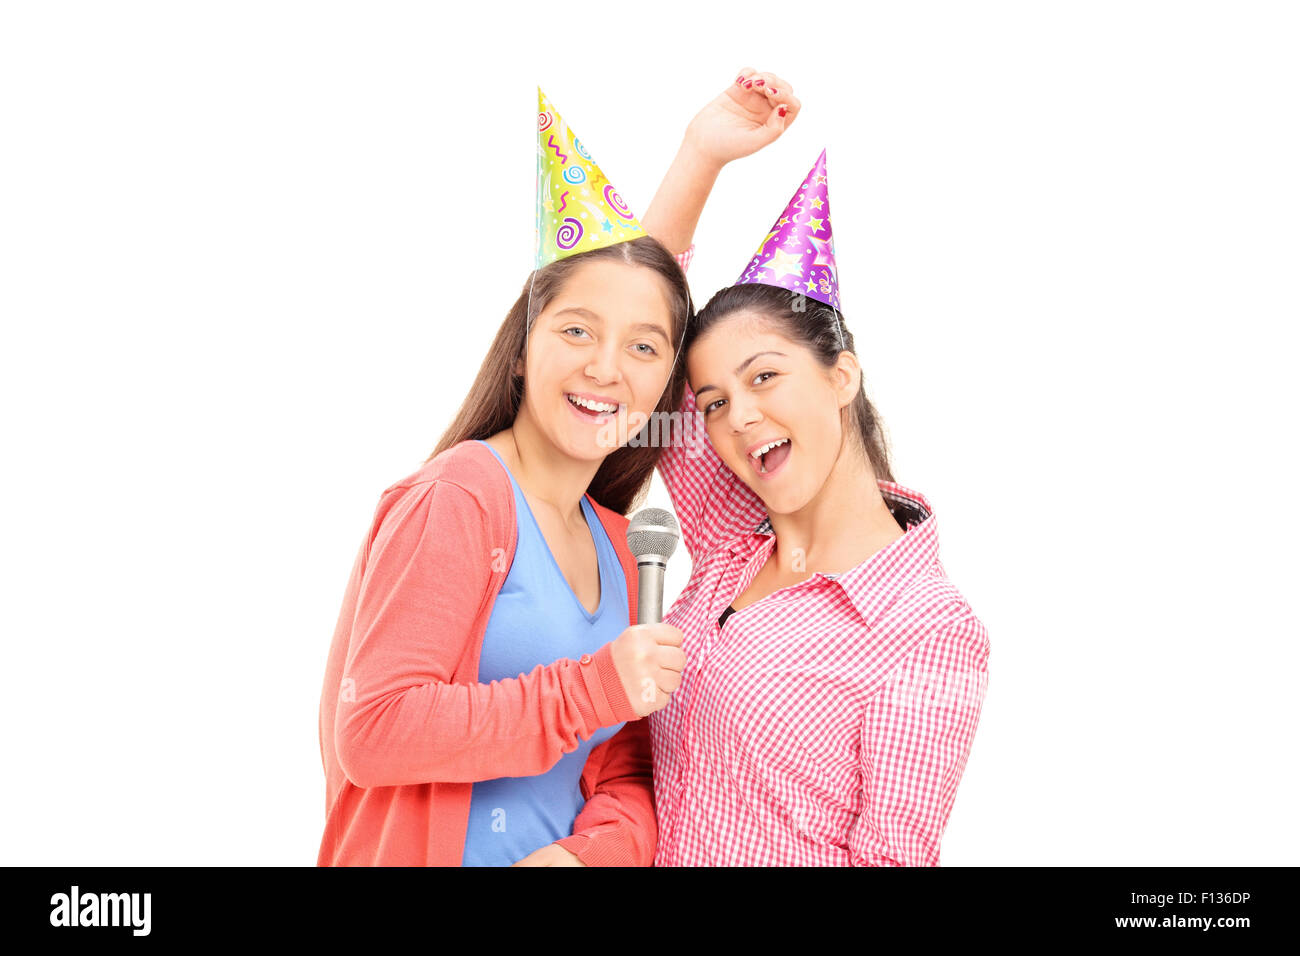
760, 452
594, 406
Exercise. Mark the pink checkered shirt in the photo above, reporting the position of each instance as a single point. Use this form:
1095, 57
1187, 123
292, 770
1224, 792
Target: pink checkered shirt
827, 724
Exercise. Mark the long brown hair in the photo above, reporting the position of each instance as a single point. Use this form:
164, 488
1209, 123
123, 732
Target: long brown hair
494, 398
818, 328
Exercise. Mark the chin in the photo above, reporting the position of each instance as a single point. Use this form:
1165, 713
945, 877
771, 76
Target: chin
583, 441
776, 500
584, 448
594, 442
784, 503
784, 494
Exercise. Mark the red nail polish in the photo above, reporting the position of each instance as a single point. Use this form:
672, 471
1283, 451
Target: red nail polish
749, 84
760, 82
781, 111
771, 89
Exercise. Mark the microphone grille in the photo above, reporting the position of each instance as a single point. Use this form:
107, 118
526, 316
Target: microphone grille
653, 531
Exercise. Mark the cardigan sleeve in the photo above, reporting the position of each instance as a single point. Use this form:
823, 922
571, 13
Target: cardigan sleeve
616, 826
915, 738
711, 503
424, 596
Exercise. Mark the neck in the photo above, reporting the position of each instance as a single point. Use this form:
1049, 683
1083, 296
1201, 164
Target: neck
545, 474
845, 523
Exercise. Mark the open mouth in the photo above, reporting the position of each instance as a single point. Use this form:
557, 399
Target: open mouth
768, 459
590, 409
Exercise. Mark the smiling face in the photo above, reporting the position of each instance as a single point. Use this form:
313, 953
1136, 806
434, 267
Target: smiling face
601, 348
758, 389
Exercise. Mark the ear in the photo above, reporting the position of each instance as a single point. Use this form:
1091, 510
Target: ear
846, 377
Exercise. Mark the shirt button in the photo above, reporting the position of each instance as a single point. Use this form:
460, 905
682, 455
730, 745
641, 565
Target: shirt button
585, 659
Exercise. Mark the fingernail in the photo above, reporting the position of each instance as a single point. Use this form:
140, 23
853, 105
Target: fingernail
740, 80
759, 83
781, 111
771, 89
749, 84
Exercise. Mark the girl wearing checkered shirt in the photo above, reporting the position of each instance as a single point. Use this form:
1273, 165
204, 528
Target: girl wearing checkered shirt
834, 675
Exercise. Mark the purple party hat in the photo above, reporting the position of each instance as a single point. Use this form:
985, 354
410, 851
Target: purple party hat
798, 252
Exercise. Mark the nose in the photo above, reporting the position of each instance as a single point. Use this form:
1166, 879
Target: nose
603, 369
742, 413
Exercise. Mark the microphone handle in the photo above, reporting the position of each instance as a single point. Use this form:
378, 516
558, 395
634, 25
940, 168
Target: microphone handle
649, 592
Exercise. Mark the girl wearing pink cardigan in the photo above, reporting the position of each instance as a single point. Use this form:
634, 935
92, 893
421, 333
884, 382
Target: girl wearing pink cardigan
407, 729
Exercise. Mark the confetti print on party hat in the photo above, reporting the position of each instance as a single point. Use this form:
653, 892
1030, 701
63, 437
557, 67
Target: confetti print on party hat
578, 208
798, 252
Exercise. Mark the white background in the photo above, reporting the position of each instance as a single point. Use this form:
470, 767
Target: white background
253, 254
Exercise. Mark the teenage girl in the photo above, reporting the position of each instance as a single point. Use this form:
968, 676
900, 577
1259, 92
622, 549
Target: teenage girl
484, 689
834, 674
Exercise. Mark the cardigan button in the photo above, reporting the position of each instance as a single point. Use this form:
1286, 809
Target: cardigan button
585, 659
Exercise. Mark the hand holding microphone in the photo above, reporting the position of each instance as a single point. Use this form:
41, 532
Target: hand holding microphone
649, 659
648, 655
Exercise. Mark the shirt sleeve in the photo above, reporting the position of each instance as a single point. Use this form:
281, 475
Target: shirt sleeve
684, 258
711, 503
399, 718
915, 738
616, 826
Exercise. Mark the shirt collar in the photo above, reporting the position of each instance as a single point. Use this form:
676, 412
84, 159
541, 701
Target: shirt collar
874, 584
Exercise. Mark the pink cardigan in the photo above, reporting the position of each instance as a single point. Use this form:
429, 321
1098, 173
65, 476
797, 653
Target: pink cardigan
405, 727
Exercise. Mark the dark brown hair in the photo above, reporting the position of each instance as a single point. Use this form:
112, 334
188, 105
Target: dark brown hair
817, 328
494, 398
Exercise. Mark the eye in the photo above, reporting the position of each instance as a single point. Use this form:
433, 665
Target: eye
575, 328
712, 405
648, 348
759, 378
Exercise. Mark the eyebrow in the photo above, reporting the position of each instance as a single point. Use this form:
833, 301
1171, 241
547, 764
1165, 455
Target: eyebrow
639, 327
740, 368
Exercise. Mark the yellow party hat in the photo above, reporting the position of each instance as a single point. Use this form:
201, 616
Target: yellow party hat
578, 208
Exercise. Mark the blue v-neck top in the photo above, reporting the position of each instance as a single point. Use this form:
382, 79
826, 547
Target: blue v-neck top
537, 620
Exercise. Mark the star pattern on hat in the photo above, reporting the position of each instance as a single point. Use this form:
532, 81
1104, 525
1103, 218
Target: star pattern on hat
784, 263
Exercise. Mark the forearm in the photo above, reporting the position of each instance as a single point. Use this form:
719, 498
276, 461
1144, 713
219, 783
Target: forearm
675, 210
462, 733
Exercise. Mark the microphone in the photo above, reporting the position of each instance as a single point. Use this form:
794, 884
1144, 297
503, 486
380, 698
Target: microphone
652, 537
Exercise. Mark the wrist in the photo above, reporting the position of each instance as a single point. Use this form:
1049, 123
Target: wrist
575, 845
696, 161
619, 704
